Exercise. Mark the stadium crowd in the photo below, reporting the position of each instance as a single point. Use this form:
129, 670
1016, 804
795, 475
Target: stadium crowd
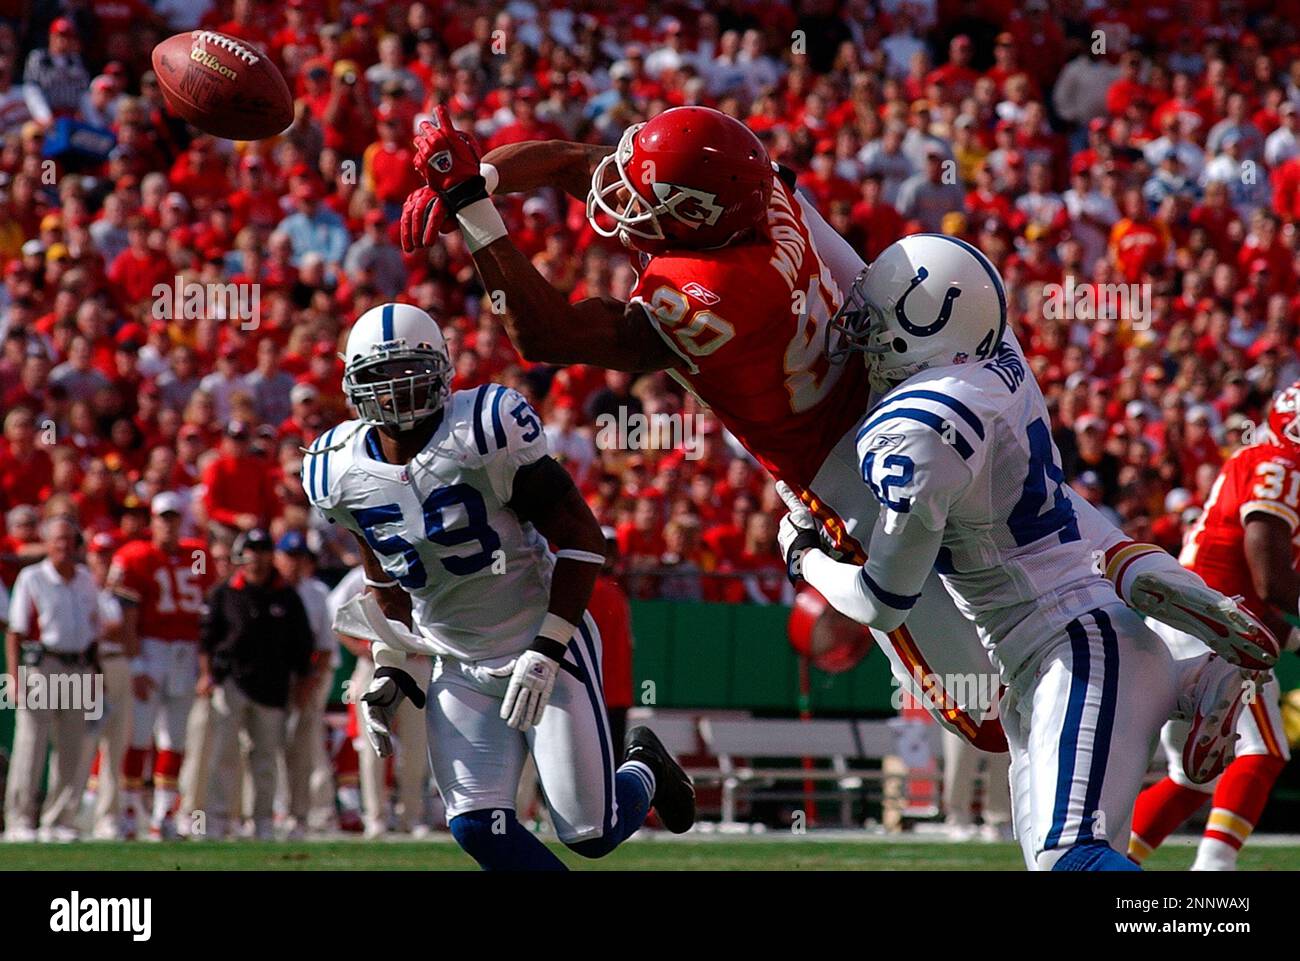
1142, 155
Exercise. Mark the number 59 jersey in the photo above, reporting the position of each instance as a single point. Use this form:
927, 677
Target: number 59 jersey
479, 578
967, 450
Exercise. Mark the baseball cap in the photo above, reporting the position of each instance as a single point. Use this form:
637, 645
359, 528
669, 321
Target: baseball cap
63, 25
1135, 408
166, 502
1088, 422
293, 542
1177, 500
255, 539
1089, 478
237, 429
303, 392
103, 543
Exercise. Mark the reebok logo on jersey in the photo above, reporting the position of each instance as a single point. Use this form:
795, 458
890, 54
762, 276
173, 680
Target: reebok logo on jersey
885, 441
701, 293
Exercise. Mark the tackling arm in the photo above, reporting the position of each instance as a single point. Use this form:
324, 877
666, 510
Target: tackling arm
880, 593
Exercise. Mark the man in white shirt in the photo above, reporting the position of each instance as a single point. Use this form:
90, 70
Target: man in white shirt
1284, 142
54, 623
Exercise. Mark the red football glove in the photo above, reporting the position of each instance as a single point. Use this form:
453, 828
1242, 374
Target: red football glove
445, 157
424, 216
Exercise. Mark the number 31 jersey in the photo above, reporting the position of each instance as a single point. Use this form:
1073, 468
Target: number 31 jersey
479, 578
967, 450
1260, 479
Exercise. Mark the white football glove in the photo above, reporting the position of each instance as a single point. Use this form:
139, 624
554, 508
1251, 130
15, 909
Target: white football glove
378, 706
532, 677
797, 532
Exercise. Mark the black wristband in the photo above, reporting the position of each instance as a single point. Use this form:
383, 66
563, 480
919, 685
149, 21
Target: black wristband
465, 193
555, 651
405, 683
805, 540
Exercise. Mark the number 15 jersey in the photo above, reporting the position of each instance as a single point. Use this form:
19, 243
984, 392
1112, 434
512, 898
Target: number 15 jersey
479, 578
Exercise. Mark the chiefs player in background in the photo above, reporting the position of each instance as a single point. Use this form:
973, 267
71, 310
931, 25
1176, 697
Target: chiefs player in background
162, 583
1245, 543
739, 281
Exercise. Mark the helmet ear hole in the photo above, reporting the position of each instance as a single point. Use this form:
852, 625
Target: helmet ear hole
899, 345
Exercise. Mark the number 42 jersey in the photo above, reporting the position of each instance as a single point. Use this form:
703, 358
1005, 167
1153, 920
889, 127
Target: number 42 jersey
479, 578
967, 451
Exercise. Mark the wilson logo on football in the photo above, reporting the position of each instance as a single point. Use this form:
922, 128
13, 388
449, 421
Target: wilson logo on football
701, 293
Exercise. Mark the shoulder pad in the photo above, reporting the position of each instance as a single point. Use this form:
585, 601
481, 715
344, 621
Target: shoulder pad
327, 460
492, 421
948, 411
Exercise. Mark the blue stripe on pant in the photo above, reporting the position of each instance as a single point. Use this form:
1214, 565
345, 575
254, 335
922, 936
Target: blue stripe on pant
1089, 763
627, 801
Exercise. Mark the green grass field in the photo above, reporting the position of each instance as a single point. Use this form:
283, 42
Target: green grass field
808, 853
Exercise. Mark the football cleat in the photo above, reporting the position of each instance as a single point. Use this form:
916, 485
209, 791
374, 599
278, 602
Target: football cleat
674, 798
1213, 706
1217, 620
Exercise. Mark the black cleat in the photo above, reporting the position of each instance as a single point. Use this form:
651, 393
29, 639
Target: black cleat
674, 798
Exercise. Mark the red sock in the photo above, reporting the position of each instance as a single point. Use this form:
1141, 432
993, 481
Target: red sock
167, 768
1240, 797
133, 767
1159, 810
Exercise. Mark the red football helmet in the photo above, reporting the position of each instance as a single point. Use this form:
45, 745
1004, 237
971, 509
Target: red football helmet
1284, 417
689, 178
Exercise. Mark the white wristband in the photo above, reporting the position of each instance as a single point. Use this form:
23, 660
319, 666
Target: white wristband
491, 176
370, 583
557, 628
585, 557
480, 224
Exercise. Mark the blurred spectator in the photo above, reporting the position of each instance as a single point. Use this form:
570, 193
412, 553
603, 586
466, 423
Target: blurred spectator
257, 646
53, 626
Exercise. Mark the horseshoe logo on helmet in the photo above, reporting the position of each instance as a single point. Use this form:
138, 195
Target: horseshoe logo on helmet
945, 312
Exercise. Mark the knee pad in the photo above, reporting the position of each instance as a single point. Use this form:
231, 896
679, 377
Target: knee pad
1086, 856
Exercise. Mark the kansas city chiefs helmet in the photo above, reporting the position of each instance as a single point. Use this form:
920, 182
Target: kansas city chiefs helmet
1284, 417
691, 178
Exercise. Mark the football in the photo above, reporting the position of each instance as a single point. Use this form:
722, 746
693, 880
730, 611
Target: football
222, 85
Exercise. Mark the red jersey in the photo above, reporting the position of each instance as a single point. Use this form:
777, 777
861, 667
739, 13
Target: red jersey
168, 588
1264, 478
749, 323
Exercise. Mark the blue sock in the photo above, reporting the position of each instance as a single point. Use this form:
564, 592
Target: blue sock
634, 786
1094, 856
498, 842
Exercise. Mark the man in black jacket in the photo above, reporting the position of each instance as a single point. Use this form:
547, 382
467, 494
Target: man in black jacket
256, 648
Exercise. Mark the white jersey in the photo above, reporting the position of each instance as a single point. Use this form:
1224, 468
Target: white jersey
478, 576
967, 450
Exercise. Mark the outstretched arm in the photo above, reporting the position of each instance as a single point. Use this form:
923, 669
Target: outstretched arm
540, 321
535, 164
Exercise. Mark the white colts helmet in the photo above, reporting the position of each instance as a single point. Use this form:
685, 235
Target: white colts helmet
396, 371
928, 300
